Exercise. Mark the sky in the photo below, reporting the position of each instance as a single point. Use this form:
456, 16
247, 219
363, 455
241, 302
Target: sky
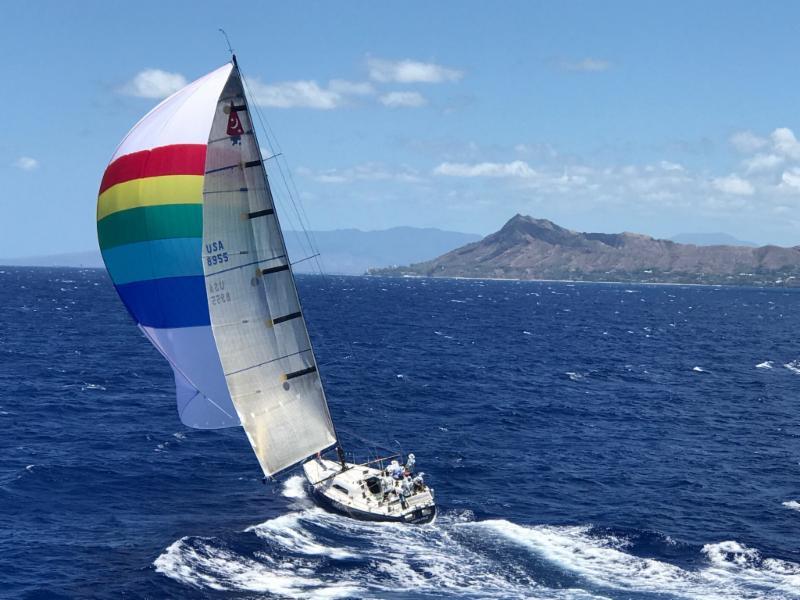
658, 118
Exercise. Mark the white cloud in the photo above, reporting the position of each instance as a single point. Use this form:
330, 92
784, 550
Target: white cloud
308, 93
587, 64
791, 179
762, 162
410, 71
733, 184
153, 83
363, 172
353, 88
666, 165
403, 99
785, 143
295, 94
26, 163
747, 142
517, 168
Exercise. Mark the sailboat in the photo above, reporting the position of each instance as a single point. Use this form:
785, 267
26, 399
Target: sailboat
190, 236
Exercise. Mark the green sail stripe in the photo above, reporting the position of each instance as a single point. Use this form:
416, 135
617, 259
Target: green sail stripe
148, 223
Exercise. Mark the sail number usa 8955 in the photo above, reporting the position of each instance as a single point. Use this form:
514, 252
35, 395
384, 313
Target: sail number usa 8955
216, 253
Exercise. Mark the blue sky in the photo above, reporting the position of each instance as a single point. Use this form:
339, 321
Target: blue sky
599, 116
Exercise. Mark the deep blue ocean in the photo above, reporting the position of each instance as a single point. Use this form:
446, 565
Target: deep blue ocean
583, 440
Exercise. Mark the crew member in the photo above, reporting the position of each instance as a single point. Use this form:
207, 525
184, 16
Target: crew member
410, 464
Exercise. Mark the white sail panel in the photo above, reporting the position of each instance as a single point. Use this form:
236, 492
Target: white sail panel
255, 313
183, 118
201, 390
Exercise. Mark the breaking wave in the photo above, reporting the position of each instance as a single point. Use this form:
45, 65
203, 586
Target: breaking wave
310, 553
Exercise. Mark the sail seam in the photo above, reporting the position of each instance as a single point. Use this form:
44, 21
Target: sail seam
250, 264
266, 362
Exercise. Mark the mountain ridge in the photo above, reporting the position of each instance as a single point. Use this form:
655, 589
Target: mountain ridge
529, 248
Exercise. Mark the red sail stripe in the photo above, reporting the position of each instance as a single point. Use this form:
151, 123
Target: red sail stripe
178, 159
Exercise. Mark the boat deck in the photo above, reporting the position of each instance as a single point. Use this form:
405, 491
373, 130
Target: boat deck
347, 492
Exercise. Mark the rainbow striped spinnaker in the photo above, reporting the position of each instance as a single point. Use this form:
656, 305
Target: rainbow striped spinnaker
189, 235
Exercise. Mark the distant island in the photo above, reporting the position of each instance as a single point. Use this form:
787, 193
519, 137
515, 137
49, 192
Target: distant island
529, 248
343, 251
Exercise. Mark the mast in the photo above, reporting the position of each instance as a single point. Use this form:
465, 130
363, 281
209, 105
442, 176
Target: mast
237, 70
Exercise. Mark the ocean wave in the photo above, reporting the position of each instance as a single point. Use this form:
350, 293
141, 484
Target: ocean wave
313, 553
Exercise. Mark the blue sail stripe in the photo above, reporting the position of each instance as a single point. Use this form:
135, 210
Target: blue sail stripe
172, 302
154, 259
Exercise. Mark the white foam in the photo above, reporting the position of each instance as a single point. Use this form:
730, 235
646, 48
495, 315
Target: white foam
313, 553
92, 386
286, 531
793, 366
734, 571
699, 370
202, 564
767, 364
793, 504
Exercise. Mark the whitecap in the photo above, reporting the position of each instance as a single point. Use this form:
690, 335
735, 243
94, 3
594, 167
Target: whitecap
767, 364
92, 386
793, 366
793, 504
699, 370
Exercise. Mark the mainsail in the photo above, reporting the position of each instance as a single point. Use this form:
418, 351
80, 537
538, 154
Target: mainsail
255, 312
189, 235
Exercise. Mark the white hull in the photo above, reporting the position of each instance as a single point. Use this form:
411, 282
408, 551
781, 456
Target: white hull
347, 491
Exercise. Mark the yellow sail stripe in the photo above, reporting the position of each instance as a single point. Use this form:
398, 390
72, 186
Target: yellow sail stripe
151, 191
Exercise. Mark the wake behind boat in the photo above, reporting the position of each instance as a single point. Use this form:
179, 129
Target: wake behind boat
190, 236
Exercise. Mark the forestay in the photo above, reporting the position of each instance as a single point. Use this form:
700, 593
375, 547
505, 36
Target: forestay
255, 313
